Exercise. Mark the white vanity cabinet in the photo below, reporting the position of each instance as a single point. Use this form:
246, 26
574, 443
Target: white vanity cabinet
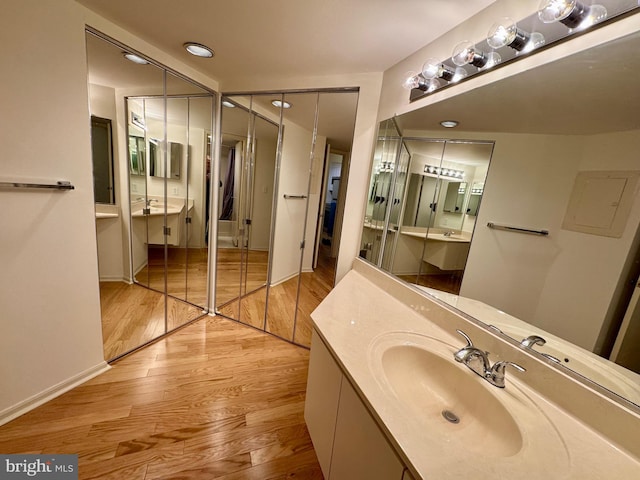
348, 442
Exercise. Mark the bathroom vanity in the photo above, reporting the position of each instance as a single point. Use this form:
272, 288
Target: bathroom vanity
386, 400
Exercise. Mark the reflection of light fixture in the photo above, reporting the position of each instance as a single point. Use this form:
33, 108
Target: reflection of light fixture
433, 68
507, 33
571, 13
443, 172
227, 103
449, 123
198, 50
134, 58
280, 103
138, 121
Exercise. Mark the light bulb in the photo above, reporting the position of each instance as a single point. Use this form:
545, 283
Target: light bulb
551, 11
505, 33
571, 13
466, 53
433, 68
411, 80
502, 33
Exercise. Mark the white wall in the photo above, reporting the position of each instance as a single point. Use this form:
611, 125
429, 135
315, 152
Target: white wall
49, 298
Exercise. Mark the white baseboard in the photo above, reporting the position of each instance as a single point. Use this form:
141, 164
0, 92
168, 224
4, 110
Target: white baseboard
50, 393
109, 278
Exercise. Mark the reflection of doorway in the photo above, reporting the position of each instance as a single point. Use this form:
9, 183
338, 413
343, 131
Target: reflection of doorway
330, 211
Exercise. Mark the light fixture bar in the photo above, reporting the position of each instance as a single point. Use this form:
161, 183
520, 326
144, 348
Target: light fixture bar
483, 55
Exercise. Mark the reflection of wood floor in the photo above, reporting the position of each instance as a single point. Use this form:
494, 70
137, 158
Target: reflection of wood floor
447, 282
228, 279
314, 287
186, 273
133, 315
213, 400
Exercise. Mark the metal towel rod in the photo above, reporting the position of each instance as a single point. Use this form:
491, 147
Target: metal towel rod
61, 185
294, 196
495, 226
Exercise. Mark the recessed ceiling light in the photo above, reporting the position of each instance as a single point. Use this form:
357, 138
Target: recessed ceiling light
280, 103
449, 123
227, 103
198, 50
134, 58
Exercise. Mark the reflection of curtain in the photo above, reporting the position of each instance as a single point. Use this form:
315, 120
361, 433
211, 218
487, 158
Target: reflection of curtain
227, 198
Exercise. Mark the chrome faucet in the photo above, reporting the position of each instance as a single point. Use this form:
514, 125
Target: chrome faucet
149, 200
448, 233
533, 340
478, 362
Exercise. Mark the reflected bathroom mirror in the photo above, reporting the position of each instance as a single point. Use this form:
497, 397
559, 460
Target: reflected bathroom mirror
574, 289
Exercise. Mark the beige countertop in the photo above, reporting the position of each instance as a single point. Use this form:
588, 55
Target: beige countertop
555, 444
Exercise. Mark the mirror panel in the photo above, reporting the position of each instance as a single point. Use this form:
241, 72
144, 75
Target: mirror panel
575, 289
159, 181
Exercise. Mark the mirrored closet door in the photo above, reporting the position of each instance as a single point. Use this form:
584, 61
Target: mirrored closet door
272, 237
153, 239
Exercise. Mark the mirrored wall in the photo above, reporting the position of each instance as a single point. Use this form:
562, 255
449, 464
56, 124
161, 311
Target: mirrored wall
424, 196
153, 237
542, 273
281, 197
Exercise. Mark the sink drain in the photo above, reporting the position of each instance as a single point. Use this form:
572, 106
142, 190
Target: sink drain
450, 416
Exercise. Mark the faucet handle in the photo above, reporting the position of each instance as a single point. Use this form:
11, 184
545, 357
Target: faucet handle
497, 372
466, 337
532, 340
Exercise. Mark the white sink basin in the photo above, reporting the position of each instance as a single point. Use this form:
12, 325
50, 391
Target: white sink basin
453, 408
451, 403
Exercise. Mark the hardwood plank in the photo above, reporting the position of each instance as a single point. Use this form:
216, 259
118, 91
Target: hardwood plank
214, 400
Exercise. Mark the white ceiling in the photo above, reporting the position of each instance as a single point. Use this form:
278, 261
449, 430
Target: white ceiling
289, 37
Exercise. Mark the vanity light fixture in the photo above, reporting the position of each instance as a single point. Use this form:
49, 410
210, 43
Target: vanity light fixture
449, 123
134, 58
466, 53
280, 103
506, 33
198, 50
571, 13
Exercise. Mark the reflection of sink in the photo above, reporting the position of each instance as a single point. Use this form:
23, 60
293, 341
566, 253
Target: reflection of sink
434, 388
499, 430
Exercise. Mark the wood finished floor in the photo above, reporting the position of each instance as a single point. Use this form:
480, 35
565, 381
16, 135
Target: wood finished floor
215, 400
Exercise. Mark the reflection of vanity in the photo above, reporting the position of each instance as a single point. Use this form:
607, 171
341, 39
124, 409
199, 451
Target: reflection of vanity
152, 219
374, 412
445, 250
